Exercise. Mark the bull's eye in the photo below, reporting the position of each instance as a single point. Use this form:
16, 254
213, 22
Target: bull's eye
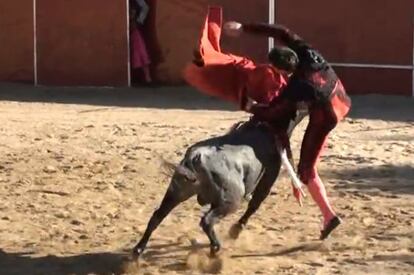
184, 178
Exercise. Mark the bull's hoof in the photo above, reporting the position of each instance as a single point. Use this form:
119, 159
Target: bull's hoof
248, 197
235, 231
137, 252
214, 250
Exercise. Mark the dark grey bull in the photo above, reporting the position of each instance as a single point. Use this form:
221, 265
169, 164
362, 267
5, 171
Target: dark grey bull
222, 171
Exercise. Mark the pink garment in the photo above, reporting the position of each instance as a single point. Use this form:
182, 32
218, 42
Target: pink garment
139, 54
227, 76
319, 195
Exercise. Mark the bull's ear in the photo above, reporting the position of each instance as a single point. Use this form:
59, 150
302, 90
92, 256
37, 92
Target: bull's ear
187, 173
168, 167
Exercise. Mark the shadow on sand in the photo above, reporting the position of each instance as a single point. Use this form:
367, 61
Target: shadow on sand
389, 178
395, 108
174, 97
309, 246
95, 263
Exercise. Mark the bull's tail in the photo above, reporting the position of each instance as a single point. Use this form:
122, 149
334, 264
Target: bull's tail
185, 168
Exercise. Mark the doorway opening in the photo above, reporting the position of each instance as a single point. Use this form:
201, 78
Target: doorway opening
145, 53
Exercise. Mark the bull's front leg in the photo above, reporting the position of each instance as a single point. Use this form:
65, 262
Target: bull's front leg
260, 193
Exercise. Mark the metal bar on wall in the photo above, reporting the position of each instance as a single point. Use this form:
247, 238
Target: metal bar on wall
128, 45
412, 92
35, 44
271, 41
382, 66
374, 66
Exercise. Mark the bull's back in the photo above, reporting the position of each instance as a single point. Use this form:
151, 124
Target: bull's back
239, 157
259, 141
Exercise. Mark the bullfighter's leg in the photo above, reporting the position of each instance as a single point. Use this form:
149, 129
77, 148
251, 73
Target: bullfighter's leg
320, 125
260, 193
172, 198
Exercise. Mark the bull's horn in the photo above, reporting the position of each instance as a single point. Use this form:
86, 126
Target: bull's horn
295, 179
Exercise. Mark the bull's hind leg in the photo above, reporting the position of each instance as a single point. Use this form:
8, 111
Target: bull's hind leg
260, 193
171, 199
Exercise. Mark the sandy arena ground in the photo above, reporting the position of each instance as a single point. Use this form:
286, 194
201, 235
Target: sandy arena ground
80, 176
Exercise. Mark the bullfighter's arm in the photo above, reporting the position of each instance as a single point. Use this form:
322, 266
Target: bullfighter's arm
277, 31
276, 111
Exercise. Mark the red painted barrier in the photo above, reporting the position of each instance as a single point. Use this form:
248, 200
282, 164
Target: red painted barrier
82, 42
16, 41
357, 31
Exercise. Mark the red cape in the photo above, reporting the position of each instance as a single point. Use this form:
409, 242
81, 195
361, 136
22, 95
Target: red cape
228, 76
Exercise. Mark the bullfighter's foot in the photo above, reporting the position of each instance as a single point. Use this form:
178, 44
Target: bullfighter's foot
332, 224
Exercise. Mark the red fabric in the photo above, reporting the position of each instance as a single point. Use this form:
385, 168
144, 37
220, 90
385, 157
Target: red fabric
228, 76
340, 102
139, 54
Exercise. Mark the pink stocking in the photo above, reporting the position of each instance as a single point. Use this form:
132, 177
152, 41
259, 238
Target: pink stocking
318, 193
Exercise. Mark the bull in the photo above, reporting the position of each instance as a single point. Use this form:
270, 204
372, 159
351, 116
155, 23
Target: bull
223, 171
